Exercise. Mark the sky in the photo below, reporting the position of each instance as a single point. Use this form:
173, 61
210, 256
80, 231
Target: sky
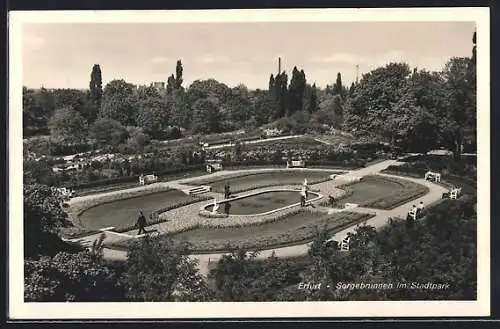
62, 55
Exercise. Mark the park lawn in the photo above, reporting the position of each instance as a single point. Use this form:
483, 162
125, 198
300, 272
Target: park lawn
296, 228
245, 182
124, 213
382, 192
261, 203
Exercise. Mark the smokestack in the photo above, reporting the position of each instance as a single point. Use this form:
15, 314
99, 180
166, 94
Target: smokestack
279, 65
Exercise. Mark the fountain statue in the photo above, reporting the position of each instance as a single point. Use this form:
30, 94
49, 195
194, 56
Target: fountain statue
215, 206
303, 193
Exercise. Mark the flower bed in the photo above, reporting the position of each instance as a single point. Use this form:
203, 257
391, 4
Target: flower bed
207, 214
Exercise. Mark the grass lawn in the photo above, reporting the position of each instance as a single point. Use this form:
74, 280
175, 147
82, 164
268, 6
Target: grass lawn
382, 192
123, 213
245, 182
297, 228
261, 203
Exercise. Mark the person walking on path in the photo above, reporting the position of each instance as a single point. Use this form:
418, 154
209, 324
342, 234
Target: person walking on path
331, 201
141, 223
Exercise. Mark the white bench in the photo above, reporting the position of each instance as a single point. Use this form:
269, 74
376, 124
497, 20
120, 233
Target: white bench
344, 244
413, 213
147, 179
430, 175
66, 192
455, 192
296, 164
213, 167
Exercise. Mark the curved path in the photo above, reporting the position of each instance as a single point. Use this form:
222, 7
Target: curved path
379, 220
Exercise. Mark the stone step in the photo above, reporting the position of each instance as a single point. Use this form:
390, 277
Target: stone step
199, 190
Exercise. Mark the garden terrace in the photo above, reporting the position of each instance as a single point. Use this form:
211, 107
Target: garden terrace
211, 139
294, 228
296, 142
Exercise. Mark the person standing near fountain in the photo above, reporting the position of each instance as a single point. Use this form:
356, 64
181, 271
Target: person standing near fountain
227, 191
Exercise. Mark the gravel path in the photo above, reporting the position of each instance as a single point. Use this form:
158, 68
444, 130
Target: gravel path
188, 215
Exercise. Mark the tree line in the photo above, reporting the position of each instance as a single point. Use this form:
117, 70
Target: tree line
416, 108
113, 113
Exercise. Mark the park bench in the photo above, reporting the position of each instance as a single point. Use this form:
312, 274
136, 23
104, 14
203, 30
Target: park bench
213, 167
296, 164
430, 175
147, 179
416, 212
344, 244
66, 192
413, 213
455, 192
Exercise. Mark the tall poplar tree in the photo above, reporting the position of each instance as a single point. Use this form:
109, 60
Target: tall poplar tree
313, 100
296, 91
337, 88
171, 83
271, 83
178, 75
95, 87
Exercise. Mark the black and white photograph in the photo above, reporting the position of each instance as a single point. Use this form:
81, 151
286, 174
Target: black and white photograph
328, 161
